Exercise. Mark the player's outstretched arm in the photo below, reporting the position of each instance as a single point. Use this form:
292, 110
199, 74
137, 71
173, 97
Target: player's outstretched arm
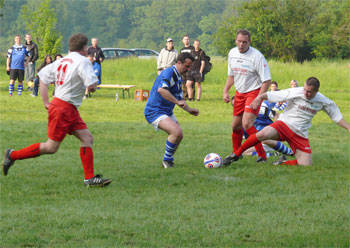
256, 102
344, 124
44, 92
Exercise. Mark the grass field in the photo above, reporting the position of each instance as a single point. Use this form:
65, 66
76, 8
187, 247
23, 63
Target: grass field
44, 204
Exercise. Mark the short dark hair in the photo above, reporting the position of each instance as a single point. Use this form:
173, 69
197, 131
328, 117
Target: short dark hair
243, 32
58, 55
183, 56
274, 82
186, 35
77, 42
312, 81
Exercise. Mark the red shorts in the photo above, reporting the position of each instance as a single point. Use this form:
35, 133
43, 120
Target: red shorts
294, 140
63, 118
242, 102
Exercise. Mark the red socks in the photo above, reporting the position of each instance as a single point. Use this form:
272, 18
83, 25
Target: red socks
290, 162
251, 141
31, 151
237, 136
87, 158
258, 146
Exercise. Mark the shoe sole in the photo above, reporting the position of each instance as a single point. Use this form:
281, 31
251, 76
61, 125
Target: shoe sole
104, 184
3, 163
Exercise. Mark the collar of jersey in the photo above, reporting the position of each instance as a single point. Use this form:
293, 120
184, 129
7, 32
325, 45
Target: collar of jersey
176, 71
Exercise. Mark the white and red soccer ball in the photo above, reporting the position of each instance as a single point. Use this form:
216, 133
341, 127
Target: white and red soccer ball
212, 160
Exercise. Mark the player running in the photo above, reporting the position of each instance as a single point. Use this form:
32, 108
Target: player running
293, 124
71, 74
165, 93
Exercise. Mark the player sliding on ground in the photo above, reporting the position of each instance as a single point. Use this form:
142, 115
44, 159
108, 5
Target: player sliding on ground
165, 93
71, 74
293, 124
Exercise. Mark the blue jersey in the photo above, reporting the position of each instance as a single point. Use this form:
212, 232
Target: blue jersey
97, 70
156, 105
265, 114
17, 55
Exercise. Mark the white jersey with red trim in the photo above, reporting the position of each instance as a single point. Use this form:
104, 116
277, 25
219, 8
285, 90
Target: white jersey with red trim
71, 75
299, 111
249, 69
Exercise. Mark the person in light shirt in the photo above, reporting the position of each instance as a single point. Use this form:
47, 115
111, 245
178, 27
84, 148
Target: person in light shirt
71, 74
249, 72
293, 124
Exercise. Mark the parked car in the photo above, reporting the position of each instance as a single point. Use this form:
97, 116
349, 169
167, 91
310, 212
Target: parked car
116, 53
145, 53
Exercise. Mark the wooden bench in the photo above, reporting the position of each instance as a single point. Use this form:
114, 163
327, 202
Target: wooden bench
118, 86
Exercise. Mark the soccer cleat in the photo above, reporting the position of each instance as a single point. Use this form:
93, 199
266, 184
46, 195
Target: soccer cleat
229, 159
167, 164
260, 160
7, 162
280, 160
97, 181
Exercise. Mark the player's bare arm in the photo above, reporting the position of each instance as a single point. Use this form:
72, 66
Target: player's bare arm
344, 124
8, 64
168, 96
44, 92
228, 85
256, 102
265, 86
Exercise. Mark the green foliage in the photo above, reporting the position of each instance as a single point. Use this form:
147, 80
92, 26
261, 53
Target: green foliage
290, 30
44, 204
40, 22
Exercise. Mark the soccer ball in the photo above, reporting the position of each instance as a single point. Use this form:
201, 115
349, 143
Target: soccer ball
212, 160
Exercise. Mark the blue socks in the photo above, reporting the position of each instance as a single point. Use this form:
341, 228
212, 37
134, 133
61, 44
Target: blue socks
19, 89
169, 151
11, 89
283, 149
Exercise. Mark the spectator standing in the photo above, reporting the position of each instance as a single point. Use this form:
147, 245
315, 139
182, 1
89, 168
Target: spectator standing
47, 61
165, 94
186, 49
32, 48
97, 54
16, 56
196, 73
167, 56
71, 74
249, 72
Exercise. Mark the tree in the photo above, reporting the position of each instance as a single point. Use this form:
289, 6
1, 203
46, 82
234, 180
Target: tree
40, 22
290, 30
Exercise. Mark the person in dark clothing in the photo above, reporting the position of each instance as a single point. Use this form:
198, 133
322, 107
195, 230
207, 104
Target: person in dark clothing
97, 54
188, 48
29, 69
196, 72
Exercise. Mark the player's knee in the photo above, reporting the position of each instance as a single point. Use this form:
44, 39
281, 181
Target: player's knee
51, 149
178, 134
88, 140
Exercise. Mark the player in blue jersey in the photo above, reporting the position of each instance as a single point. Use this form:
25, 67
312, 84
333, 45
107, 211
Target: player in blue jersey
165, 93
15, 65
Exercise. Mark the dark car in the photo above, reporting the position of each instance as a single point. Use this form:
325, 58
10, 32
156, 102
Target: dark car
145, 53
117, 53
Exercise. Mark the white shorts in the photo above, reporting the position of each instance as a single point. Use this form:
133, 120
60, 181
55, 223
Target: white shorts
162, 117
